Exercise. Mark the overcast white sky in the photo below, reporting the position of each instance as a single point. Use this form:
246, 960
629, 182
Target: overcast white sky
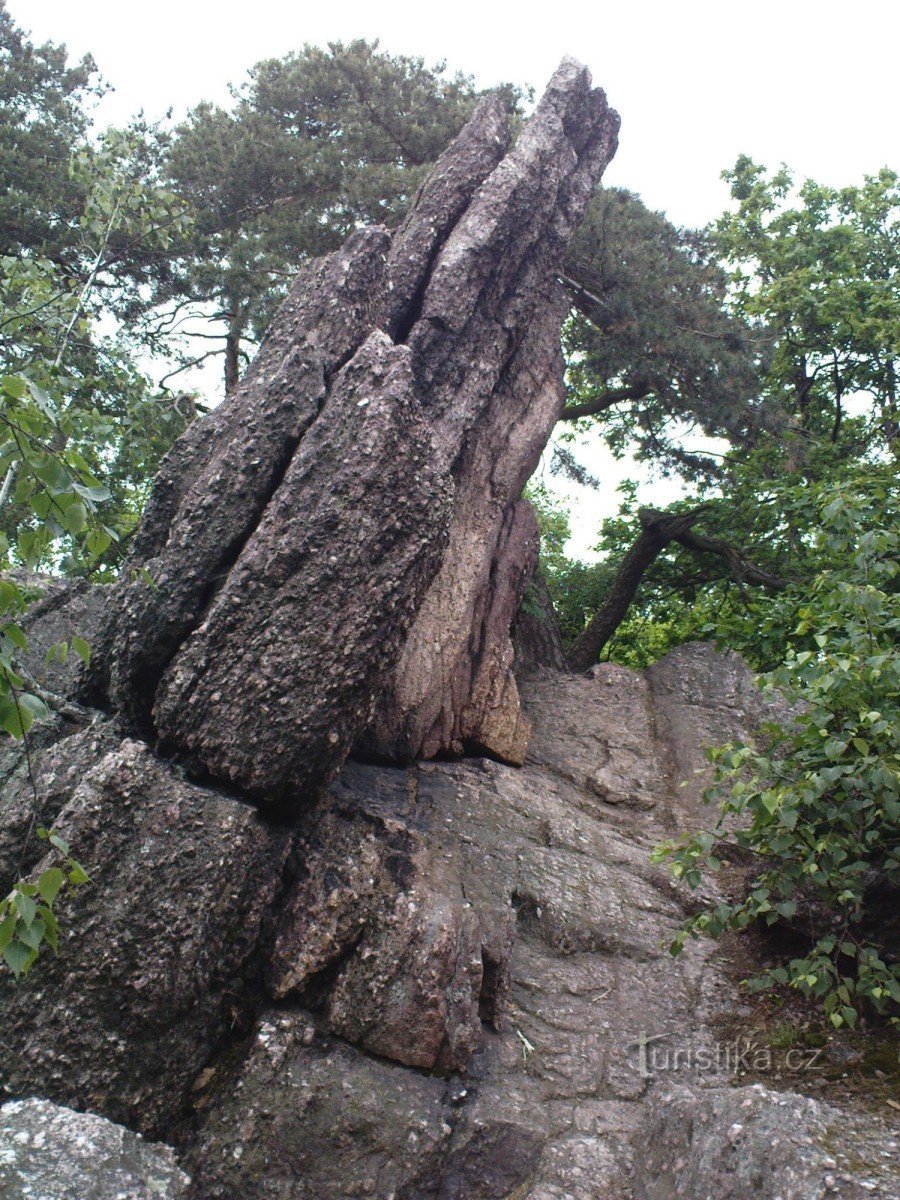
697, 82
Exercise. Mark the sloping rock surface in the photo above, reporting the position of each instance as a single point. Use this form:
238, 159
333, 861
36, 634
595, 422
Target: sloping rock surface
447, 980
345, 531
588, 1028
52, 1153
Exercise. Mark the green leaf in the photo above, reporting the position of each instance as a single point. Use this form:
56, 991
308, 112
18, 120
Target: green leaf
32, 935
49, 883
18, 956
24, 905
14, 386
57, 842
82, 649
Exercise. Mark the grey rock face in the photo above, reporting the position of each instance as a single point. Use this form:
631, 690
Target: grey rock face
449, 976
412, 968
155, 953
369, 467
67, 608
307, 1117
52, 1153
727, 1144
34, 786
411, 879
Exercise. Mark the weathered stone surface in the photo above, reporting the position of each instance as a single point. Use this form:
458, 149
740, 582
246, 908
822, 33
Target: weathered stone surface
729, 1144
52, 1153
490, 322
293, 535
216, 482
598, 735
704, 698
155, 953
37, 781
556, 1100
271, 689
307, 1118
377, 930
67, 608
423, 978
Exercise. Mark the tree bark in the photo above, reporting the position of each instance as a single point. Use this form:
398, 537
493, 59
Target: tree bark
233, 348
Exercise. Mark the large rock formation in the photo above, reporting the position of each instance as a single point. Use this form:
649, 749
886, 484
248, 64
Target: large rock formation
342, 543
449, 980
157, 952
430, 981
52, 1153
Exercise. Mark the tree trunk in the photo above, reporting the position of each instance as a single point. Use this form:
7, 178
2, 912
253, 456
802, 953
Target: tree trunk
657, 532
233, 348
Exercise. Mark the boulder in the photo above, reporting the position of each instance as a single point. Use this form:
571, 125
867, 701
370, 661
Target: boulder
730, 1143
48, 1152
157, 953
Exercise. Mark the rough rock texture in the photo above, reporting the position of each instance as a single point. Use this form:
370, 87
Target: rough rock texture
734, 1143
36, 783
409, 969
557, 1102
66, 608
154, 953
52, 1153
309, 1117
702, 698
453, 974
377, 446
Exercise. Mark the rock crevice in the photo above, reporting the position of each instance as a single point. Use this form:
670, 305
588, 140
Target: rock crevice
303, 544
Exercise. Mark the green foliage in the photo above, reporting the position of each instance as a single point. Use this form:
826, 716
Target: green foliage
73, 408
653, 350
820, 275
811, 282
27, 917
42, 116
819, 805
314, 145
81, 226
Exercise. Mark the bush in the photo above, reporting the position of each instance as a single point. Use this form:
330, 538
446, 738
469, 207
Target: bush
820, 801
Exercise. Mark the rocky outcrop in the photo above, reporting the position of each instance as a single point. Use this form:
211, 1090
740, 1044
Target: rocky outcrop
750, 1141
52, 1153
155, 952
429, 981
448, 980
345, 533
597, 1035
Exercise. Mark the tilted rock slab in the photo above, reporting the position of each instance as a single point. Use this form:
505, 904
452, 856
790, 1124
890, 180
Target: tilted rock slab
48, 1152
347, 526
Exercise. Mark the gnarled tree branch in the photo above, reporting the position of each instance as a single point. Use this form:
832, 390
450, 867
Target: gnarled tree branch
658, 530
